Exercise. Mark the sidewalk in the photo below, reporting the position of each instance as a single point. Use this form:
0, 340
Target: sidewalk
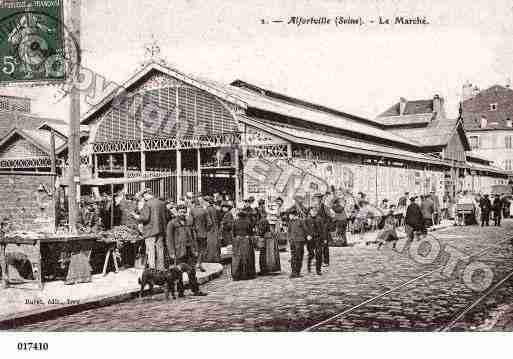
24, 301
371, 237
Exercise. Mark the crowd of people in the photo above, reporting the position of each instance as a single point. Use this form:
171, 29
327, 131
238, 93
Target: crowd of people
194, 229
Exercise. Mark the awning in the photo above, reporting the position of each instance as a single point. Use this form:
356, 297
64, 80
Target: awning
334, 142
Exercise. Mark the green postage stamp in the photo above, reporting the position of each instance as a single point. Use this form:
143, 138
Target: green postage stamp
31, 41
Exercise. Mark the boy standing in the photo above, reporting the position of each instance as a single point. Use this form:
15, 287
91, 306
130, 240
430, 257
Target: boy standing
297, 237
314, 227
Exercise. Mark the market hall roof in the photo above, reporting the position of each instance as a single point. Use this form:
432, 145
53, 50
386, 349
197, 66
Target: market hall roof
248, 99
336, 142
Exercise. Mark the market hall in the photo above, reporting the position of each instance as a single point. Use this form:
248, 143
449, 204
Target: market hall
219, 131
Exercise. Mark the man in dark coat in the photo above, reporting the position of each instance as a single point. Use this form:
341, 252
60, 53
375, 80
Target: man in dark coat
323, 212
314, 233
183, 247
497, 210
251, 213
154, 217
486, 207
202, 224
427, 208
297, 237
213, 253
414, 220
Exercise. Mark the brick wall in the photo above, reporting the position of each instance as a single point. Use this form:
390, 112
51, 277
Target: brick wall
25, 207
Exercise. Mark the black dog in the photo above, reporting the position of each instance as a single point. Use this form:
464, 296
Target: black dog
166, 278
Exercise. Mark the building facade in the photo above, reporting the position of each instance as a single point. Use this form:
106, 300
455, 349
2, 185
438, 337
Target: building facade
488, 117
186, 134
176, 133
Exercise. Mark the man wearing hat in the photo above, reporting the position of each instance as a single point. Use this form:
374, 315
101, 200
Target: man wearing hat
250, 212
154, 217
213, 253
323, 213
202, 224
182, 246
486, 207
414, 220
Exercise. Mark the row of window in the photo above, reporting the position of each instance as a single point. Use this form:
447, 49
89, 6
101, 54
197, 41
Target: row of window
482, 141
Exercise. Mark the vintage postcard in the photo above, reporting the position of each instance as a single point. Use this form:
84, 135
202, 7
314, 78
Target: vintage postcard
255, 166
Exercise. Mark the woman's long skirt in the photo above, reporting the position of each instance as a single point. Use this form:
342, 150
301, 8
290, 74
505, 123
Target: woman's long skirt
243, 259
269, 259
213, 253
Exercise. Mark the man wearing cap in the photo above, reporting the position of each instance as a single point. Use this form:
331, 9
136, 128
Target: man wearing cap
182, 246
154, 217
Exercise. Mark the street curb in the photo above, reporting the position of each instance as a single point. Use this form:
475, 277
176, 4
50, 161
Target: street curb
11, 321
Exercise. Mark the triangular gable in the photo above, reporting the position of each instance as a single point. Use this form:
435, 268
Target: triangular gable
17, 144
141, 74
17, 132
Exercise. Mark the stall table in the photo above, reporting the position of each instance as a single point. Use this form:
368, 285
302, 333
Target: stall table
36, 240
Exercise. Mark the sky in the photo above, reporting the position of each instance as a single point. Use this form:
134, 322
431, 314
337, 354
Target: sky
361, 70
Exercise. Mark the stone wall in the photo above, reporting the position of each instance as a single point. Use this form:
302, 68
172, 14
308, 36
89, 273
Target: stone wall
26, 208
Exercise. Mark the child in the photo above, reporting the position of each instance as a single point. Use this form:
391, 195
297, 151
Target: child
340, 219
314, 224
297, 237
388, 233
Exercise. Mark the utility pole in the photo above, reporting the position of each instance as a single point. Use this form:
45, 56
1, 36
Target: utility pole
74, 119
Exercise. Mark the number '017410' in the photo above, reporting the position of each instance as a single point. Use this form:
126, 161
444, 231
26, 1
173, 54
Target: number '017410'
32, 346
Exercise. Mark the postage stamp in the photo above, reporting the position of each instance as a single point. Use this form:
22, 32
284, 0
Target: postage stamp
34, 42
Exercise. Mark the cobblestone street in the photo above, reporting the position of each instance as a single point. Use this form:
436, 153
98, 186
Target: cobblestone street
281, 304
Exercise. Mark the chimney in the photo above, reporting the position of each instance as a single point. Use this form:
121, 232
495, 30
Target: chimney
402, 105
467, 91
438, 105
475, 91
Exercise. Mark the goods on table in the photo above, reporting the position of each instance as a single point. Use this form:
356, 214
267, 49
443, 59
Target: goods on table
122, 234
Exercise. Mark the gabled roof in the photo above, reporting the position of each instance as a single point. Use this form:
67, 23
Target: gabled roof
154, 66
308, 114
249, 99
336, 142
39, 138
259, 89
15, 119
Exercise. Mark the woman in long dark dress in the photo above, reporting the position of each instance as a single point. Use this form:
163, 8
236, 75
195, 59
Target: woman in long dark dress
226, 224
243, 259
269, 258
